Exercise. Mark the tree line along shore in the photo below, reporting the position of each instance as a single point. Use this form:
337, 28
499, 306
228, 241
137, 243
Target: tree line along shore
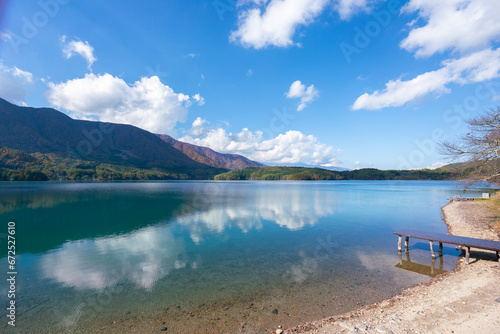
16, 165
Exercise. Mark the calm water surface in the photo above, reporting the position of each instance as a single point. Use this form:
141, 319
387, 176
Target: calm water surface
210, 256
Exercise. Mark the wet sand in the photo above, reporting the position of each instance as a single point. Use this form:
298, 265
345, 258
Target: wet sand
466, 300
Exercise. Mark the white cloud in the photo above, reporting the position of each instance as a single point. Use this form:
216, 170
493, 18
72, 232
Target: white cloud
83, 49
276, 24
147, 103
263, 23
476, 67
22, 75
347, 8
293, 147
436, 165
198, 127
242, 3
200, 100
198, 122
14, 83
467, 29
306, 95
455, 25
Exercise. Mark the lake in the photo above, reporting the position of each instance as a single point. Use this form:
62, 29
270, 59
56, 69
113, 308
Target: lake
211, 257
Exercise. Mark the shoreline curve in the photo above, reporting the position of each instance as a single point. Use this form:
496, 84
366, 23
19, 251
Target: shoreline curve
464, 300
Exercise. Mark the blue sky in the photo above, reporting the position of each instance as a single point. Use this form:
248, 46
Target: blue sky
351, 83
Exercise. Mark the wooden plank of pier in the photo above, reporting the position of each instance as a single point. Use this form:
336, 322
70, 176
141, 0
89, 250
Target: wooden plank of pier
464, 242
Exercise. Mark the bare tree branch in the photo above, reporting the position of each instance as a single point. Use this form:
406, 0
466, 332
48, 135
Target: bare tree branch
478, 151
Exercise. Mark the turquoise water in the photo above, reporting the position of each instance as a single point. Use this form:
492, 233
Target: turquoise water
215, 257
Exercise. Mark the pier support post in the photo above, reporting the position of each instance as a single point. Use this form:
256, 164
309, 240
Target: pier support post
440, 249
406, 242
432, 249
467, 254
399, 243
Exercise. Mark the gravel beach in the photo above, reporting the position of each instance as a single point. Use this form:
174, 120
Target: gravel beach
466, 300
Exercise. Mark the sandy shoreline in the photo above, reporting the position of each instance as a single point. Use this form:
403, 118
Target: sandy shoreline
466, 300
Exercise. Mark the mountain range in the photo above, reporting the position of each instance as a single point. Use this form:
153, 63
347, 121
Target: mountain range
209, 157
48, 131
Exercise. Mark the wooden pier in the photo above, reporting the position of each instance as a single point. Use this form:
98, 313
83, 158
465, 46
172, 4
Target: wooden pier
464, 242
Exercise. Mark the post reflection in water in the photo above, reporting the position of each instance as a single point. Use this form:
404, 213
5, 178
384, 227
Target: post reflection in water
421, 268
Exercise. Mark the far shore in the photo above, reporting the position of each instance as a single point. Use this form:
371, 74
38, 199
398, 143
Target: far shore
465, 300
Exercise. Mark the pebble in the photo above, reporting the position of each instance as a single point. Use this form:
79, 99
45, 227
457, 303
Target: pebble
385, 303
383, 329
279, 331
347, 326
497, 300
362, 327
275, 311
449, 309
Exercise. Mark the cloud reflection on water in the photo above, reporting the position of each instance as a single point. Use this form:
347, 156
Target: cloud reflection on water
291, 208
141, 257
147, 255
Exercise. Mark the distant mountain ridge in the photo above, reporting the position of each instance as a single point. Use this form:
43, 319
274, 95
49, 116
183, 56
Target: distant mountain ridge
302, 165
209, 157
46, 130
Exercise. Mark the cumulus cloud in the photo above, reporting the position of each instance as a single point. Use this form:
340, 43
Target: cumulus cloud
348, 8
292, 147
241, 3
436, 165
147, 103
198, 99
299, 91
198, 126
22, 75
276, 24
465, 29
452, 25
83, 49
476, 67
263, 23
14, 83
